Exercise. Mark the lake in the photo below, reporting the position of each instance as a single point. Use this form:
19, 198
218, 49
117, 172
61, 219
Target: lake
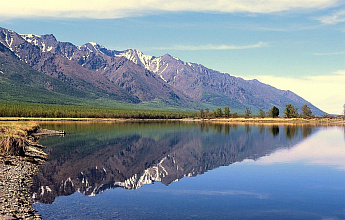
179, 170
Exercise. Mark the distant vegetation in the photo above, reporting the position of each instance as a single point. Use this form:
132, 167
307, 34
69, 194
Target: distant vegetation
291, 111
27, 109
21, 109
273, 112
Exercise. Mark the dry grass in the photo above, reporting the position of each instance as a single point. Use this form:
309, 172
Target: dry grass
14, 136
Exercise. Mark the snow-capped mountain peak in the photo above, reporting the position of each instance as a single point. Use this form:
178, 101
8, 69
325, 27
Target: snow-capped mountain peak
137, 57
31, 38
91, 46
45, 42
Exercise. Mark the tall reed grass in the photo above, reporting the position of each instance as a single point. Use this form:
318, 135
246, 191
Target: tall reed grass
14, 137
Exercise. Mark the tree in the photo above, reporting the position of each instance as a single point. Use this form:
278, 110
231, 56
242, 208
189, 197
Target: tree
262, 113
290, 111
226, 111
213, 114
219, 113
207, 112
273, 112
202, 113
306, 111
247, 112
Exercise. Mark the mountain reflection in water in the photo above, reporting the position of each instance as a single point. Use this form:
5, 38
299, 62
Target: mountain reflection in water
93, 157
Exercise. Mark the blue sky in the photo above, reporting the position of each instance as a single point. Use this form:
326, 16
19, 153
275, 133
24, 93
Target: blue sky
291, 44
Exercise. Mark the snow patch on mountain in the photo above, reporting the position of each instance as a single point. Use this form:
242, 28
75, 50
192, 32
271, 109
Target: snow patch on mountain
151, 63
40, 41
8, 40
31, 38
93, 44
137, 57
9, 43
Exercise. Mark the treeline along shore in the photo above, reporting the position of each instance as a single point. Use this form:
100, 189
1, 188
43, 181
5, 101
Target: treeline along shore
22, 109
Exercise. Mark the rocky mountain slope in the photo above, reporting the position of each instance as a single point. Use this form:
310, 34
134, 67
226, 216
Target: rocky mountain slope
131, 76
209, 86
83, 68
19, 82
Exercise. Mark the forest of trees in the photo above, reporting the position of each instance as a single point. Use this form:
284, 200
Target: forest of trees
13, 109
291, 111
20, 109
216, 113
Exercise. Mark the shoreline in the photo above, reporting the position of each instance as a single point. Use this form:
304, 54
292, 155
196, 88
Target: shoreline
19, 138
20, 158
312, 121
251, 120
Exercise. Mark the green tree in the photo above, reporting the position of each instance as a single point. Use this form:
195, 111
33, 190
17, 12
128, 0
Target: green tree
213, 113
273, 112
202, 113
247, 112
207, 113
290, 111
219, 113
262, 113
306, 111
226, 111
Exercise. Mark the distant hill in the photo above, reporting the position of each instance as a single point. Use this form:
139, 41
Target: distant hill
92, 71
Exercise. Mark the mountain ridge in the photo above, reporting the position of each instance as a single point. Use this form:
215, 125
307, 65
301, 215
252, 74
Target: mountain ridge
134, 77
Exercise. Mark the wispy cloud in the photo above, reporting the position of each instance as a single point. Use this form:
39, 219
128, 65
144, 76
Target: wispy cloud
118, 9
324, 91
335, 18
214, 47
329, 54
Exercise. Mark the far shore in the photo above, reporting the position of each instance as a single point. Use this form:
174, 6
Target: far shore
251, 120
313, 121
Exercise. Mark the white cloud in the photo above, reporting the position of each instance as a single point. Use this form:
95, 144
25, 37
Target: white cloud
214, 47
335, 18
324, 91
329, 54
118, 9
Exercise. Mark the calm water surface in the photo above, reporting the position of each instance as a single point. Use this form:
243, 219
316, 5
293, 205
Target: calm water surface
191, 171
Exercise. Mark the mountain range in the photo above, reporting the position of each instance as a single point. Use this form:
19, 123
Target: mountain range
39, 68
